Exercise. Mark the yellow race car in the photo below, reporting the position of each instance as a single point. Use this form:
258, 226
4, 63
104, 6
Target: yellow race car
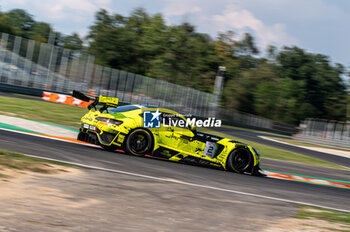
150, 131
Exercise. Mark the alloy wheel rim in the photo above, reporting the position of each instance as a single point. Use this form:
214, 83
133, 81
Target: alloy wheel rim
139, 143
241, 160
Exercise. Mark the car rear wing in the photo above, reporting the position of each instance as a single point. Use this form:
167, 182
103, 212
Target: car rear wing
102, 100
110, 101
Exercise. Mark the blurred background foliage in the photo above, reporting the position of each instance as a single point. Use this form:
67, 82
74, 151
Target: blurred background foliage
287, 84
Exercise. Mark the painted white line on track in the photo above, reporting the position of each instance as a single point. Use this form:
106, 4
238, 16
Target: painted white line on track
274, 140
170, 180
174, 180
46, 137
292, 162
309, 147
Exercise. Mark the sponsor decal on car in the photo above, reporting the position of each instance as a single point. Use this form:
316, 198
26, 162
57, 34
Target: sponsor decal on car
151, 119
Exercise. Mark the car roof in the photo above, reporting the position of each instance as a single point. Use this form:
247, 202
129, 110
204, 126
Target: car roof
127, 108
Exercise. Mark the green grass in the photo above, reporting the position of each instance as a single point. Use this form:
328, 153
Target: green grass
27, 96
276, 153
13, 160
324, 214
42, 111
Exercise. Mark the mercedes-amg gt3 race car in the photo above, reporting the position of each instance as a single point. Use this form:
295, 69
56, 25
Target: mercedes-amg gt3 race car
125, 128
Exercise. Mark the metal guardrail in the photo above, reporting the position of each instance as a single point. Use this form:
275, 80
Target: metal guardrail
42, 66
325, 132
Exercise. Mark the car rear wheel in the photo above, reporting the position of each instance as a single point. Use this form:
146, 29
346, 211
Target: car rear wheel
240, 160
139, 142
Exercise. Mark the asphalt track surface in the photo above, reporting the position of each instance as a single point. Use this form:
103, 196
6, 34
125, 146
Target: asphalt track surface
216, 179
253, 136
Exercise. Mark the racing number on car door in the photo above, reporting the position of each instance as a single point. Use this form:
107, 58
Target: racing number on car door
210, 148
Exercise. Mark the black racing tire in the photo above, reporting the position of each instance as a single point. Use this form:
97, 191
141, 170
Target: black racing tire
139, 142
110, 148
81, 136
240, 160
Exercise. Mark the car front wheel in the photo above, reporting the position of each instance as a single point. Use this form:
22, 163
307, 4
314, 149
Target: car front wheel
240, 160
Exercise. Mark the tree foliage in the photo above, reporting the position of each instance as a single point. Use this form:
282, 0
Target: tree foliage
20, 21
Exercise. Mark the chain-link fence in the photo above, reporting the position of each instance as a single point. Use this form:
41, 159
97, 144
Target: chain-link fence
236, 118
43, 66
327, 132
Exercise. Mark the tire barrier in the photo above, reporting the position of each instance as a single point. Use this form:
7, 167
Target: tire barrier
64, 99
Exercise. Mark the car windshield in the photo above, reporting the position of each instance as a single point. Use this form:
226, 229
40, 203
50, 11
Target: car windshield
122, 109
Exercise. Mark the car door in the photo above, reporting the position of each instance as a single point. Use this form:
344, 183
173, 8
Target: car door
180, 137
199, 145
169, 136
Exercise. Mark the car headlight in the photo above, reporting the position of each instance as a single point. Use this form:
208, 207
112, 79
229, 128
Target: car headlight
109, 120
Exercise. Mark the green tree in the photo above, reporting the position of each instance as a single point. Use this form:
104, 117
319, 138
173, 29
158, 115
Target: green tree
246, 50
143, 44
40, 32
110, 42
225, 46
73, 42
239, 92
187, 56
22, 21
5, 24
325, 90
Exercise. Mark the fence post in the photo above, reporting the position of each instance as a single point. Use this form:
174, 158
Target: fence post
218, 86
14, 60
3, 52
63, 70
28, 61
88, 70
114, 82
42, 63
52, 68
